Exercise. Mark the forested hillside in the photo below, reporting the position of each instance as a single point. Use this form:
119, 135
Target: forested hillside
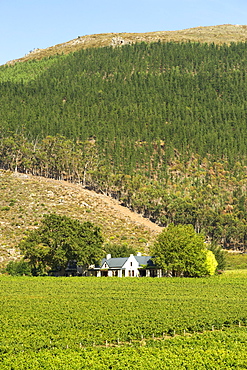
159, 126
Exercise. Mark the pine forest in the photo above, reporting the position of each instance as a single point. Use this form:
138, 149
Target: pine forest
161, 127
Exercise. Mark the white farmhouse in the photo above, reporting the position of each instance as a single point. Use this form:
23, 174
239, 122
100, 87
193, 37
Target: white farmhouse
132, 266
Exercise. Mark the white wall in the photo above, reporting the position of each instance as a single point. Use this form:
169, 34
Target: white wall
131, 267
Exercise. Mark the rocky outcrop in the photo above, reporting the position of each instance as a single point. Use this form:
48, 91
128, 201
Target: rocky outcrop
117, 41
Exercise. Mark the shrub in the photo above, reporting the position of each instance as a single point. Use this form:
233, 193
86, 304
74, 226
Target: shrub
18, 268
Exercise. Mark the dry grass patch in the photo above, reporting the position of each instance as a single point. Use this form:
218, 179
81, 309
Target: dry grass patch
24, 199
221, 34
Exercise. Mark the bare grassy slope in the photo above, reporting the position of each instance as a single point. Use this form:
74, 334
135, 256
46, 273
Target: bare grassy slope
226, 33
24, 199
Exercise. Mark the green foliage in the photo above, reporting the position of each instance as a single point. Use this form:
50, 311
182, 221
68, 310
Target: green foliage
119, 250
158, 126
64, 323
220, 256
18, 268
145, 88
235, 261
216, 350
211, 263
5, 208
25, 72
181, 251
59, 240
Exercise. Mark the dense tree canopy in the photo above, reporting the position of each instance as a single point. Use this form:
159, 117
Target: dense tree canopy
119, 250
188, 96
160, 126
60, 239
182, 252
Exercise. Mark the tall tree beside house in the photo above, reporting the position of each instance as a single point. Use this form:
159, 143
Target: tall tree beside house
61, 239
180, 250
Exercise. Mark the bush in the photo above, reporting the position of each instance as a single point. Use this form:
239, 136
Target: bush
220, 256
18, 268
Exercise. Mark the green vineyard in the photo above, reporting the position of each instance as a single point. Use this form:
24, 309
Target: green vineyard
77, 323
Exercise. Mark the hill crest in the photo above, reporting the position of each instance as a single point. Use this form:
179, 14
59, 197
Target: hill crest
220, 34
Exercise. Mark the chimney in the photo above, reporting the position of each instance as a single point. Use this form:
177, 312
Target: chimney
139, 254
108, 256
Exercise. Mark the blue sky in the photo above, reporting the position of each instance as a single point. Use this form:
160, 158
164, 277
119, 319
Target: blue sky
29, 24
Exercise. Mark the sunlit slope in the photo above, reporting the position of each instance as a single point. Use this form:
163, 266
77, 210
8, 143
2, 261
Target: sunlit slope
226, 33
24, 199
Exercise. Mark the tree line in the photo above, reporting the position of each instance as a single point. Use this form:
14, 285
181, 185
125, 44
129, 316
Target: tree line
60, 241
202, 192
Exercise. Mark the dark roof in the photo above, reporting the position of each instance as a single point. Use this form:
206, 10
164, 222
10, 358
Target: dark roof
114, 262
145, 260
120, 261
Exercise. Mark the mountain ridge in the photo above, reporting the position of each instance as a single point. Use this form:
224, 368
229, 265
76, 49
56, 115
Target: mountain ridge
221, 34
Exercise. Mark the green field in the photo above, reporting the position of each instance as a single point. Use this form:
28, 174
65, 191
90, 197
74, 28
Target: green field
112, 323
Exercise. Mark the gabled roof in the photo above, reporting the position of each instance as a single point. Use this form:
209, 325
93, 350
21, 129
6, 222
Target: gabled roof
117, 263
145, 260
114, 262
